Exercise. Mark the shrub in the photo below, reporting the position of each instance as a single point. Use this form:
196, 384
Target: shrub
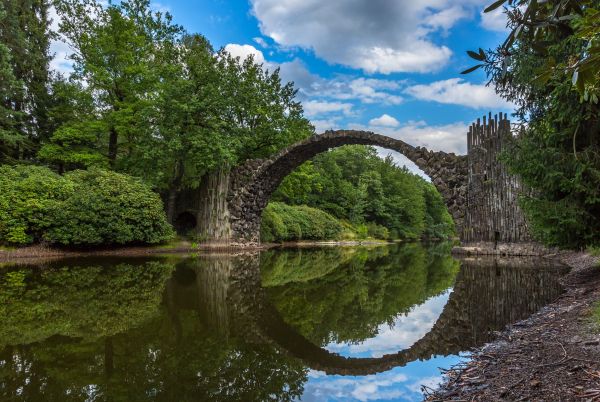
81, 208
281, 222
377, 231
28, 195
109, 208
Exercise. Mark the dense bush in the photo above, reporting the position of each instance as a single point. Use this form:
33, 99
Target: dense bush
29, 196
281, 222
80, 208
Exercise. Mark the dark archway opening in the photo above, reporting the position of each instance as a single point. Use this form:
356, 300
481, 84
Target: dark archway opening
184, 223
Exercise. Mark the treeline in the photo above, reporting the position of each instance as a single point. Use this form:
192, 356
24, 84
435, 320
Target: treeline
145, 99
363, 196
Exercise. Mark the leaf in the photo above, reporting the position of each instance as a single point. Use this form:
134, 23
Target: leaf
476, 56
470, 70
494, 6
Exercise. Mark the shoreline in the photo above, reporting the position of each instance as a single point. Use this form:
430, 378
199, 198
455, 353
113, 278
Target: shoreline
553, 355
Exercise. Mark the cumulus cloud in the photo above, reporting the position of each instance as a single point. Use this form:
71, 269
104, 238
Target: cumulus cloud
494, 20
377, 36
345, 88
260, 41
315, 108
456, 91
385, 120
243, 51
446, 137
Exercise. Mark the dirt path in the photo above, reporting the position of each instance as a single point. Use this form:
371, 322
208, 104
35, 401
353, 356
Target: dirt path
552, 356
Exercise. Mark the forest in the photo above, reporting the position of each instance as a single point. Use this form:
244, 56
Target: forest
98, 156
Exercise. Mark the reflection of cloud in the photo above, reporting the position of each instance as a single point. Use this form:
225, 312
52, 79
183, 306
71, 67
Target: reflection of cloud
366, 388
406, 330
399, 383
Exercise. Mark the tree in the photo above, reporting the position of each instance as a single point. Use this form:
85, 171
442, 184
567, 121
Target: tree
115, 54
549, 67
24, 76
77, 129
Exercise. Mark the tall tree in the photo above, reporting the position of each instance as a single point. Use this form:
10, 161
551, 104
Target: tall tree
24, 68
114, 53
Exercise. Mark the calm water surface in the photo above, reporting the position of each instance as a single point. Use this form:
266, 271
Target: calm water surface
323, 324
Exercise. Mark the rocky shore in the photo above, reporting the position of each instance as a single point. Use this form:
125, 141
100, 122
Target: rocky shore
553, 355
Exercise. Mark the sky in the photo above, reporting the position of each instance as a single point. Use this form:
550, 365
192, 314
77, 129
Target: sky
387, 66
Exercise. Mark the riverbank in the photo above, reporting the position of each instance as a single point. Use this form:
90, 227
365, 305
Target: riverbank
554, 355
177, 247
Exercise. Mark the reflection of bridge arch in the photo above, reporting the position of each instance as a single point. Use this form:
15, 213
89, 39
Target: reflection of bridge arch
229, 291
253, 185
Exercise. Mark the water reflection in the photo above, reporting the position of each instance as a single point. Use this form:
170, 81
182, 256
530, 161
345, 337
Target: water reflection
318, 324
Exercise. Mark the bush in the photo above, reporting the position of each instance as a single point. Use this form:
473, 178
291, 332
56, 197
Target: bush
93, 207
281, 222
28, 197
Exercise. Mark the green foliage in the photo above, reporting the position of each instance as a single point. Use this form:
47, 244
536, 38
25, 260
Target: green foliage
83, 301
352, 291
353, 184
24, 77
29, 197
81, 208
108, 208
281, 222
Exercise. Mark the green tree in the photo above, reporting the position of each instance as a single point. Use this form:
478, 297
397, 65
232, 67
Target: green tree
24, 76
116, 49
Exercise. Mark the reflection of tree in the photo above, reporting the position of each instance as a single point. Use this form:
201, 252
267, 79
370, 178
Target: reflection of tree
103, 335
88, 300
357, 291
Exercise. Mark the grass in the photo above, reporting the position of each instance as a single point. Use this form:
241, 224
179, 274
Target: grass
596, 313
594, 250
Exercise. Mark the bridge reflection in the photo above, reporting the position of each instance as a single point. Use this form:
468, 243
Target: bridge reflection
487, 294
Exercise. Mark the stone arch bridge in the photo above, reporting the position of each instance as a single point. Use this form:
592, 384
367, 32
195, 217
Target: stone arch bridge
254, 183
479, 193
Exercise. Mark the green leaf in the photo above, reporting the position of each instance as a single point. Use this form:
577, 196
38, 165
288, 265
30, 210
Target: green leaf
476, 56
494, 6
470, 70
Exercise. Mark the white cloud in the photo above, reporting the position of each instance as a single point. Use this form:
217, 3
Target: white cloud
314, 108
447, 137
261, 42
456, 91
384, 120
494, 20
346, 88
243, 51
377, 36
322, 125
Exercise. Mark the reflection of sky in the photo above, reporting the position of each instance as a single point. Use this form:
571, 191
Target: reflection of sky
406, 330
397, 384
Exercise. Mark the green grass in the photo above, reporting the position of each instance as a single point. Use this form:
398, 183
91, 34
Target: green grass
596, 313
594, 250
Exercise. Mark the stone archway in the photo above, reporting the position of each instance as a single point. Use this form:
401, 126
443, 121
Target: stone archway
253, 183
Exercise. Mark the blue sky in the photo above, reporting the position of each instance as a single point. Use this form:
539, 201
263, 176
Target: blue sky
389, 66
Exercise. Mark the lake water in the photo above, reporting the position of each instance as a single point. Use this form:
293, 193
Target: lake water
319, 324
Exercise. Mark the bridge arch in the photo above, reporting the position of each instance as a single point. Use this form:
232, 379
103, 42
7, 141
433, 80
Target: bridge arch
253, 183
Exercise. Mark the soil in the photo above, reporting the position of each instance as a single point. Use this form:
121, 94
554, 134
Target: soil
553, 355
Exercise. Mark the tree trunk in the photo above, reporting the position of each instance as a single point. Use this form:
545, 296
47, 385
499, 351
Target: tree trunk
213, 214
112, 146
174, 188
